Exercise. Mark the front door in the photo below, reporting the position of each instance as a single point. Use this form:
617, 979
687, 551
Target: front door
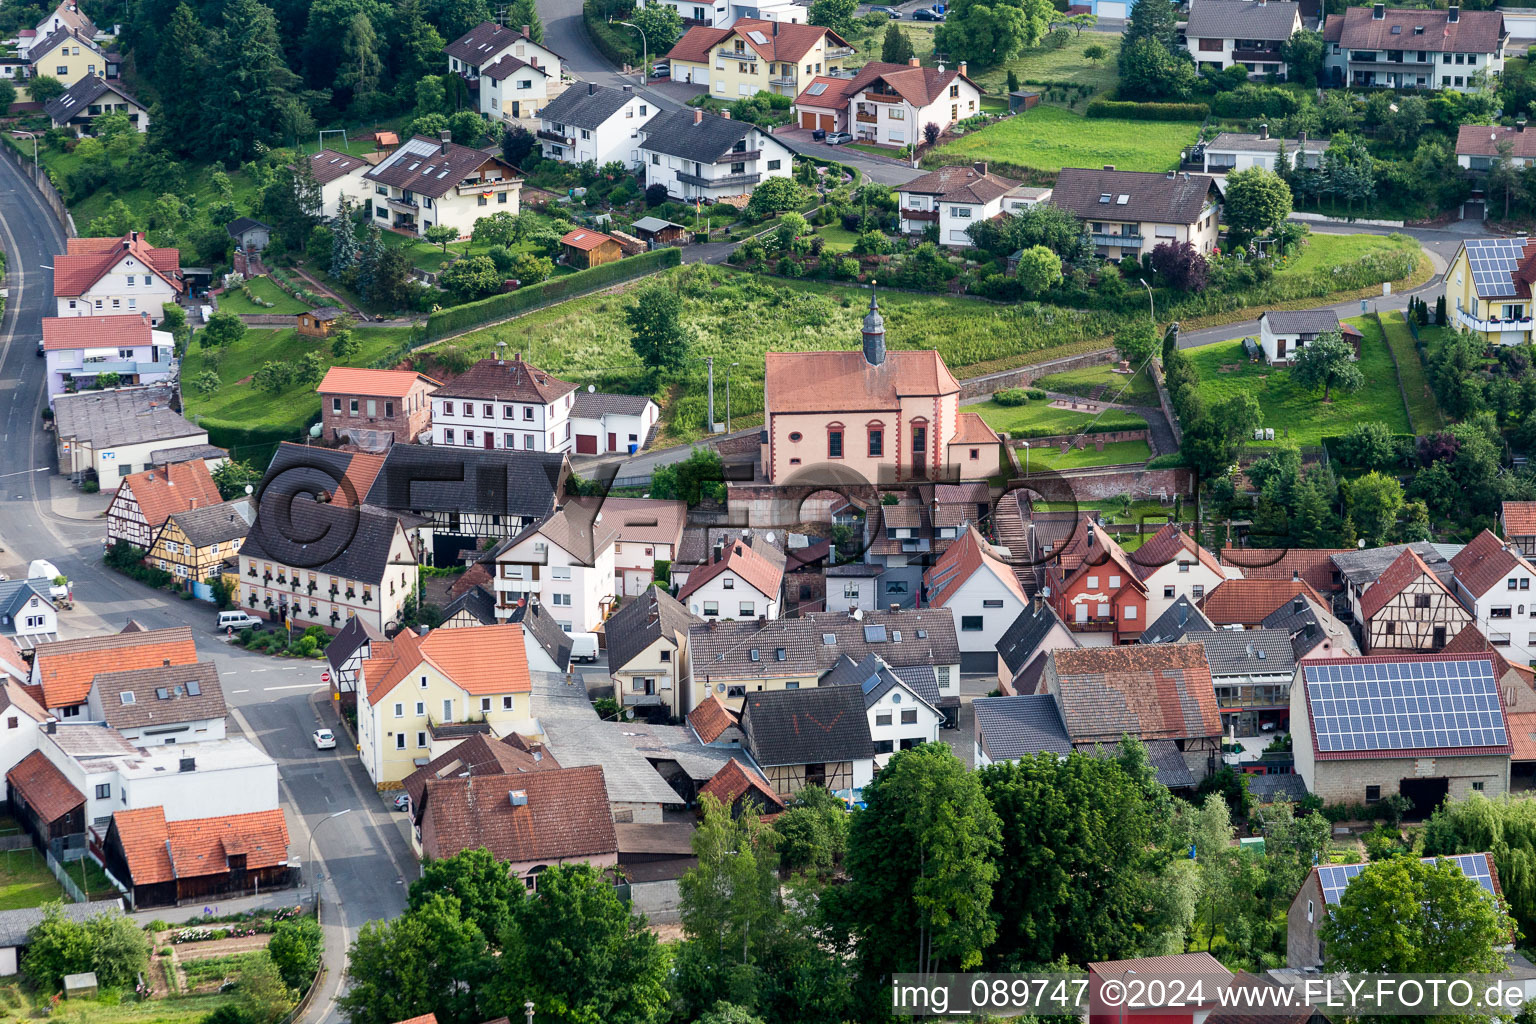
1279, 348
613, 441
490, 439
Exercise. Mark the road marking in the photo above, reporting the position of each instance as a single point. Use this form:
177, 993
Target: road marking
300, 686
239, 691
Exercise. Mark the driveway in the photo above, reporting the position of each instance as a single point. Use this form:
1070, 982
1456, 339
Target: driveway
881, 169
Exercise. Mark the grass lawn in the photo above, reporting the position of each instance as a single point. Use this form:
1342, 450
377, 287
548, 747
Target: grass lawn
235, 301
1038, 419
1116, 453
25, 880
1225, 370
1049, 138
839, 238
873, 150
1064, 65
1323, 250
1138, 387
1140, 511
1423, 409
175, 1010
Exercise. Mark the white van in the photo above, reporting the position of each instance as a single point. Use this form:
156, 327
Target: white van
583, 646
42, 569
237, 620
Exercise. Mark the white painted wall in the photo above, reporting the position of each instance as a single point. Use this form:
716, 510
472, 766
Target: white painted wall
727, 592
889, 710
971, 599
573, 594
549, 429
615, 139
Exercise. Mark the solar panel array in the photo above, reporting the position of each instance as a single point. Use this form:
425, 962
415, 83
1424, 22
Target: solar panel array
1405, 705
1336, 877
1493, 262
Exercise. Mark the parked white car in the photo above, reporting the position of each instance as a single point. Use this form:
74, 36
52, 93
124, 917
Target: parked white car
42, 569
324, 739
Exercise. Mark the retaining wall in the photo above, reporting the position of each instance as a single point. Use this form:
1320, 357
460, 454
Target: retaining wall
1101, 482
1024, 376
1083, 440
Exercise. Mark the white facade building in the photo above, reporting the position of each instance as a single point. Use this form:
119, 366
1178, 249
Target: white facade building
1171, 565
590, 122
79, 350
959, 196
738, 584
1496, 584
709, 156
339, 176
115, 276
567, 561
501, 403
983, 594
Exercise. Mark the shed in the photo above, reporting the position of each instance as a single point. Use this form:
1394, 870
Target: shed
656, 231
1022, 99
317, 323
587, 248
16, 926
249, 234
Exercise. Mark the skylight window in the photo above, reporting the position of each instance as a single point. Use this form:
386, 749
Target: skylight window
1397, 30
757, 37
817, 88
1122, 200
1104, 197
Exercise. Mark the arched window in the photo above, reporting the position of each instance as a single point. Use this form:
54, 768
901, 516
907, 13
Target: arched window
834, 440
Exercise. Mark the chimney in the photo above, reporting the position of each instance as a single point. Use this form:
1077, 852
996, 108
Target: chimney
444, 137
1109, 167
725, 114
913, 62
1453, 13
698, 115
1295, 575
591, 88
1301, 140
962, 69
53, 726
1172, 175
518, 797
874, 332
1378, 12
1263, 129
895, 607
1519, 124
525, 31
980, 167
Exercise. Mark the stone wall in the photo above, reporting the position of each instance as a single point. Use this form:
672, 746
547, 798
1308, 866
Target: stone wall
1024, 376
1103, 482
1340, 782
659, 901
1166, 402
1098, 441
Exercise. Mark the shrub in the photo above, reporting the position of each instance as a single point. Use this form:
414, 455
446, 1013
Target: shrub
846, 269
295, 949
1010, 396
1148, 111
1255, 101
1036, 394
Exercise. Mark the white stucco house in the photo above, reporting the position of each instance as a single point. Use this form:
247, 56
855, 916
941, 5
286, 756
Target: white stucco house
709, 156
1172, 565
27, 613
428, 182
1494, 582
1221, 33
79, 350
486, 45
958, 196
338, 176
566, 560
604, 423
739, 583
504, 403
1284, 332
116, 276
1238, 151
889, 104
980, 589
592, 122
902, 704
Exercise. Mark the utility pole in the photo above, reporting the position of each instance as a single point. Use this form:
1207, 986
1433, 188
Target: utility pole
711, 361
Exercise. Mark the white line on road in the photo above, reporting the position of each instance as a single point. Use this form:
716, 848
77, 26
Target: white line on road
239, 691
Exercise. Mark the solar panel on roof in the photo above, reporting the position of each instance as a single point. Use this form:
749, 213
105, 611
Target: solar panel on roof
817, 88
1335, 878
1405, 706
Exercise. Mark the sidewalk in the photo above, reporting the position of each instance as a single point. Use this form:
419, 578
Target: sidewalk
70, 502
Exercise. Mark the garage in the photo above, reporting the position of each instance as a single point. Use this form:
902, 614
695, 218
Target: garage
697, 76
807, 120
586, 444
828, 122
1112, 9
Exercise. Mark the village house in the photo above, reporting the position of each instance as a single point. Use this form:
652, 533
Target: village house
1359, 570
566, 560
709, 157
345, 654
890, 104
1480, 146
79, 105
1283, 333
975, 584
650, 534
816, 737
81, 351
27, 617
65, 15
739, 583
427, 182
70, 55
1221, 33
1314, 565
726, 12
902, 710
160, 705
1313, 629
1246, 603
1488, 288
478, 754
113, 433
1095, 587
144, 500
1025, 644
648, 653
1410, 608
413, 690
340, 177
485, 46
1129, 213
62, 671
1009, 728
166, 862
584, 249
194, 545
1251, 672
1182, 619
504, 403
513, 91
593, 123
753, 56
1494, 583
714, 724
378, 406
112, 276
957, 196
1171, 565
1237, 151
1405, 48
855, 585
606, 423
1517, 521
1425, 726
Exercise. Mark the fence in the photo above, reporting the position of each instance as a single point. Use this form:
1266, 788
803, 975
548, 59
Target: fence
51, 196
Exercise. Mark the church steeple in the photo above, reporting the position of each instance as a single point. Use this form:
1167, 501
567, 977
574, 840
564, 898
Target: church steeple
874, 331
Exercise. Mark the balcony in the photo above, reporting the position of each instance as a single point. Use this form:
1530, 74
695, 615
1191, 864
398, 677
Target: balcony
1094, 624
555, 137
834, 52
402, 205
881, 97
919, 214
1266, 56
469, 188
729, 181
1505, 332
782, 80
1277, 699
865, 118
1124, 241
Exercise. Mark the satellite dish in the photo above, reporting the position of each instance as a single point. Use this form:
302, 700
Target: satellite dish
591, 388
629, 713
314, 431
768, 537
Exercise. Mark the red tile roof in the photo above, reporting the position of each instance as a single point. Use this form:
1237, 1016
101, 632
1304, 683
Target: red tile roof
970, 428
739, 558
1485, 563
1407, 568
44, 787
426, 1018
174, 488
919, 86
960, 562
1519, 518
1088, 549
1315, 565
160, 851
733, 781
564, 814
89, 259
1246, 602
1165, 546
780, 40
585, 239
961, 183
65, 668
711, 718
1472, 641
63, 333
352, 380
1160, 691
480, 660
833, 94
1522, 734
839, 381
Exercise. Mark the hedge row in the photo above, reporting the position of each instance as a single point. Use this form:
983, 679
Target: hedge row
1148, 111
610, 42
557, 289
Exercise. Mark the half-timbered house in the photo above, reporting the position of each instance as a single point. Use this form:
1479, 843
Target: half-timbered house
345, 654
193, 545
1410, 608
812, 737
145, 500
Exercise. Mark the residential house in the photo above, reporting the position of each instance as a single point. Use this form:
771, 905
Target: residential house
709, 157
955, 197
1283, 333
1182, 619
531, 821
584, 249
1025, 644
1129, 213
504, 403
725, 12
249, 234
164, 863
1246, 602
112, 276
715, 724
1517, 521
474, 606
372, 576
566, 560
1324, 888
883, 417
1238, 151
69, 55
816, 737
77, 108
427, 182
1493, 582
1313, 629
195, 545
889, 104
1171, 565
379, 407
478, 754
340, 178
737, 788
27, 614
513, 91
1104, 697
547, 645
1425, 726
1410, 608
1314, 565
144, 500
650, 533
1251, 672
1200, 971
1405, 48
855, 585
114, 433
483, 47
62, 671
1012, 727
595, 124
1488, 287
161, 705
738, 584
1480, 146
1095, 587
81, 351
333, 476
903, 546
753, 56
486, 495
1221, 33
1359, 570
974, 582
345, 654
903, 711
65, 15
13, 667
648, 652
413, 690
213, 455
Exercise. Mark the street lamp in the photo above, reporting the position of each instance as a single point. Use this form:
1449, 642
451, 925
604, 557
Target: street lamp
1026, 458
313, 886
1150, 302
645, 49
33, 137
1123, 999
728, 397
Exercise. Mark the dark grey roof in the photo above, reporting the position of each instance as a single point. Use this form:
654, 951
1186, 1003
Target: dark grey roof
674, 133
585, 108
1301, 321
77, 98
875, 678
1308, 625
216, 524
1013, 727
431, 167
484, 41
595, 405
1095, 195
641, 622
132, 699
124, 416
1268, 789
1233, 652
1244, 142
1181, 619
1242, 19
1361, 568
14, 596
345, 643
365, 556
814, 726
723, 650
422, 478
479, 602
545, 631
241, 225
652, 223
921, 680
1164, 756
859, 570
304, 470
15, 924
186, 453
1020, 640
38, 50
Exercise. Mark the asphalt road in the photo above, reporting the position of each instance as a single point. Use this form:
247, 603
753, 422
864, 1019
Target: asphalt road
363, 855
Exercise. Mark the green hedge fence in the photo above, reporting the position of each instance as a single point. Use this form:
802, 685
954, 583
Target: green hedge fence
1148, 111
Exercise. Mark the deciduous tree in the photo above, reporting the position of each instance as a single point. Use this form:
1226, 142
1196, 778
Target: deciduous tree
988, 32
1327, 361
223, 328
429, 960
470, 277
1039, 269
1373, 502
663, 25
1256, 200
657, 332
836, 15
